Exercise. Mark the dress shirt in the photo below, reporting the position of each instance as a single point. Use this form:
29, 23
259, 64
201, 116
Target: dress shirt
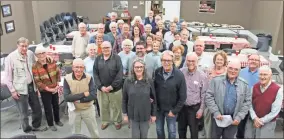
169, 38
250, 77
89, 65
125, 59
197, 85
275, 107
230, 100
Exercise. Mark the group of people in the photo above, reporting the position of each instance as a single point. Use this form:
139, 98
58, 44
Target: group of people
163, 78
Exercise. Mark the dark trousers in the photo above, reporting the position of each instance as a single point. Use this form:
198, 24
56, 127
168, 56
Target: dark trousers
97, 106
226, 133
187, 117
160, 123
241, 128
51, 106
139, 130
23, 105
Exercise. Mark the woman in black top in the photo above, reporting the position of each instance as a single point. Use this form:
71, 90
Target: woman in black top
149, 44
137, 36
139, 100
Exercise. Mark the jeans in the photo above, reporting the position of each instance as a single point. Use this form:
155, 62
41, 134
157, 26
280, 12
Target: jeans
171, 124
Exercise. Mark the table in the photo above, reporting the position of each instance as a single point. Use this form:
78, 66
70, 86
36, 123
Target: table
58, 50
71, 34
242, 57
238, 44
252, 38
125, 19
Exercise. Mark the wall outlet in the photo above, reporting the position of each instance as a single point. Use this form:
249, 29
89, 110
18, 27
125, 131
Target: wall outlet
279, 52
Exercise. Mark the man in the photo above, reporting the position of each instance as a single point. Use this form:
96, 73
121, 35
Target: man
113, 17
151, 63
80, 41
197, 84
184, 27
150, 19
159, 37
170, 89
157, 19
228, 95
19, 79
79, 88
148, 29
250, 74
108, 78
169, 36
267, 99
101, 30
204, 61
118, 41
188, 45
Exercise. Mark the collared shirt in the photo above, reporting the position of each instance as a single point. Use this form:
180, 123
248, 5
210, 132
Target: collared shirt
197, 85
250, 77
275, 107
125, 59
166, 75
79, 45
230, 100
28, 72
118, 41
89, 65
169, 38
156, 56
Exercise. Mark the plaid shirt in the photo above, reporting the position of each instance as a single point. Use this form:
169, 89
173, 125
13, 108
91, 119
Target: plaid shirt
118, 41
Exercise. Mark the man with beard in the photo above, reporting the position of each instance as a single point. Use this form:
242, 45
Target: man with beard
267, 98
250, 74
151, 63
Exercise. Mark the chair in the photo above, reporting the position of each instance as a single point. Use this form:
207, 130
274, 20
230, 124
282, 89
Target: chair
226, 46
45, 36
24, 136
77, 136
64, 56
49, 30
56, 29
74, 15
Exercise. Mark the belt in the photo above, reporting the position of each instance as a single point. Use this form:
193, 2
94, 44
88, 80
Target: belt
192, 105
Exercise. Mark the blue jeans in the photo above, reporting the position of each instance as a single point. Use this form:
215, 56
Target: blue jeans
171, 124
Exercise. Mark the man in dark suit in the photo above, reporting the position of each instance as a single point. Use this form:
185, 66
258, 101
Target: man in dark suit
150, 19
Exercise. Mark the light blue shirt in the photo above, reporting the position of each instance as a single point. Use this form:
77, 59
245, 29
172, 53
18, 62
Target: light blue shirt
125, 59
275, 107
156, 56
230, 100
89, 65
250, 77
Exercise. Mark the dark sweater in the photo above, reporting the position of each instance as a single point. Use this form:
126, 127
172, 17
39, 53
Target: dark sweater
136, 100
171, 93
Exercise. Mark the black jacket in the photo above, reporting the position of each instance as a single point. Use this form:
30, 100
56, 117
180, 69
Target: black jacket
171, 93
136, 99
108, 72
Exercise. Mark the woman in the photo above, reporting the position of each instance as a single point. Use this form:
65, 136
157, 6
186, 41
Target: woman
119, 26
220, 63
47, 78
113, 33
177, 37
137, 21
89, 62
149, 44
178, 59
99, 41
160, 28
155, 53
136, 36
125, 55
139, 101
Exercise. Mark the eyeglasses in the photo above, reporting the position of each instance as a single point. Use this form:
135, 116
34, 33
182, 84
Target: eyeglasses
138, 67
167, 61
191, 61
233, 69
79, 67
41, 53
253, 59
105, 48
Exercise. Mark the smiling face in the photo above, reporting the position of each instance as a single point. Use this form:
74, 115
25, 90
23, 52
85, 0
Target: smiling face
167, 62
101, 28
106, 48
92, 52
136, 30
234, 68
138, 69
191, 62
149, 40
156, 46
140, 50
125, 28
220, 61
254, 61
177, 37
184, 36
265, 76
177, 53
41, 56
159, 36
23, 48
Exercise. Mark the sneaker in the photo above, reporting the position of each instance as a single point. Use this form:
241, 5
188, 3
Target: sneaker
52, 128
39, 129
59, 123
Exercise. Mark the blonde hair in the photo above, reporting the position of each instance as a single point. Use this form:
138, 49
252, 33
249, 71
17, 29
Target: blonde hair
179, 47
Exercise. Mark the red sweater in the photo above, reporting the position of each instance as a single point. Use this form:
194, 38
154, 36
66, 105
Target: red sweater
262, 102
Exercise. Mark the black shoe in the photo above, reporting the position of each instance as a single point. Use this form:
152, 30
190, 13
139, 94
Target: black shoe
28, 129
59, 123
52, 128
39, 129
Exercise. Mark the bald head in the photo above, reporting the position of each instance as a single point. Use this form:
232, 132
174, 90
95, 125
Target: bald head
234, 67
191, 61
199, 47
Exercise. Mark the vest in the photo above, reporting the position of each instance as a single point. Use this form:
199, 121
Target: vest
19, 74
77, 87
262, 102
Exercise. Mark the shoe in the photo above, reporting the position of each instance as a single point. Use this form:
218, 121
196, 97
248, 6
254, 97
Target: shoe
39, 129
118, 126
104, 126
59, 123
28, 129
52, 128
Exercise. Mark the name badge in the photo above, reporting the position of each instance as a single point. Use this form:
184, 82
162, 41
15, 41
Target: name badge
195, 82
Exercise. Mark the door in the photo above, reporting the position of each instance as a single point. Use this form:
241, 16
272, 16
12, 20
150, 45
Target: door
171, 10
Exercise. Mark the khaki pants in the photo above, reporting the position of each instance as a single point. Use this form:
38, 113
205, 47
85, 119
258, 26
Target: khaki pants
110, 103
89, 118
265, 132
207, 123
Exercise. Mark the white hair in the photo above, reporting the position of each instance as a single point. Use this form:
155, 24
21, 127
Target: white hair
112, 24
77, 61
22, 40
192, 54
91, 46
148, 25
265, 68
167, 52
136, 18
120, 21
82, 24
113, 14
127, 42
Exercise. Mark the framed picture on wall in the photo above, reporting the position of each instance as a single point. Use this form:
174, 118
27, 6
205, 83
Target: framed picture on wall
207, 6
119, 5
6, 10
10, 26
1, 30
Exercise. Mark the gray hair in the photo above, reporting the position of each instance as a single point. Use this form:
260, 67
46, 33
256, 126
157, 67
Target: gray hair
136, 18
22, 40
82, 24
192, 54
113, 14
265, 68
127, 42
148, 25
91, 46
113, 24
133, 77
120, 22
167, 52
